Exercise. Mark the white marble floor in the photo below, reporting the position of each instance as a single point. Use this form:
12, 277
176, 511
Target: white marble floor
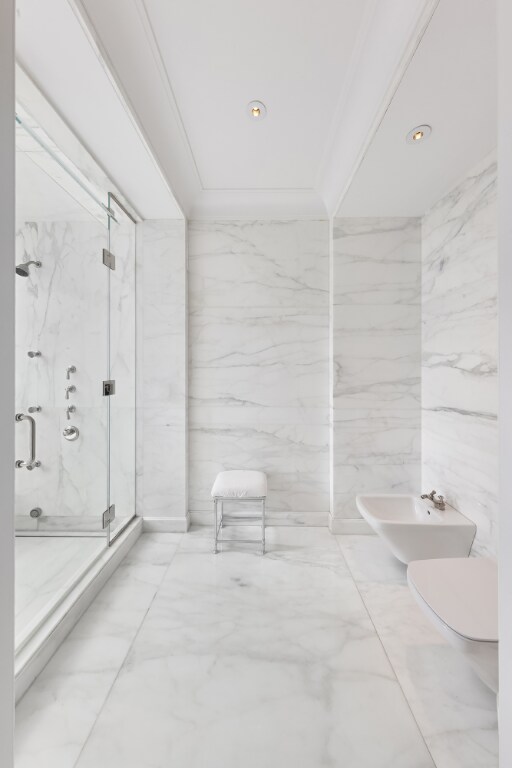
45, 567
289, 660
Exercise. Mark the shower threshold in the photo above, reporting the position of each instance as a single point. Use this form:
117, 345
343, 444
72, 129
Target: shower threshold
40, 636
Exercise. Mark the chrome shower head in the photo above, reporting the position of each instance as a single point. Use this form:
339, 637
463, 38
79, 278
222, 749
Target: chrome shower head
23, 269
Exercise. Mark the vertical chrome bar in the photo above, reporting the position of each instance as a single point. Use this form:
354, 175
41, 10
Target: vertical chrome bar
215, 524
263, 526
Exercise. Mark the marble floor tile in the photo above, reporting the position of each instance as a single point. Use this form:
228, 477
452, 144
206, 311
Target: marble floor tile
56, 714
257, 661
312, 656
455, 711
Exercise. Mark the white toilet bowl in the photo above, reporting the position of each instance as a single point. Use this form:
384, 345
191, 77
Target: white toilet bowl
460, 596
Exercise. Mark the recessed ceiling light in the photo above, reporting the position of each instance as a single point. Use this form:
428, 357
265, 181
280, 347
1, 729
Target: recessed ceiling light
420, 133
256, 110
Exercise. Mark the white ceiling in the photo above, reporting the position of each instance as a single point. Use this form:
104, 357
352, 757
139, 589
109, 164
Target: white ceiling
189, 69
450, 84
163, 101
293, 55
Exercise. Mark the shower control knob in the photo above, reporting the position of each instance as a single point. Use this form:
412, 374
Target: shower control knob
34, 354
71, 369
71, 433
71, 389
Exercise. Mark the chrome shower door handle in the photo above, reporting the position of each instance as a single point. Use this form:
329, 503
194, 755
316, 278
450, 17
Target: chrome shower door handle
32, 462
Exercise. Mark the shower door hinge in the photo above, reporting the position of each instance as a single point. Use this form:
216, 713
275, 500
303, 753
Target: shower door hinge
109, 259
109, 515
109, 387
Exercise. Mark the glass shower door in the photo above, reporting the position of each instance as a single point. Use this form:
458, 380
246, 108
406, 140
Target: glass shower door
122, 366
62, 317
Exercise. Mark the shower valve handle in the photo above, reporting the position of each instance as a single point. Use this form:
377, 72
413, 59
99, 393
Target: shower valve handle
69, 389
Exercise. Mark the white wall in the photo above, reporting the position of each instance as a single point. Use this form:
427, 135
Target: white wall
505, 406
259, 361
459, 350
7, 383
376, 360
162, 374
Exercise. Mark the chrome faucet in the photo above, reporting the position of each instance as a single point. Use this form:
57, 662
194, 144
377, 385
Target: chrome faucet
72, 388
69, 410
438, 501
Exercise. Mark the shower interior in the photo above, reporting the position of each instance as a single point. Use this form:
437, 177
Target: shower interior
75, 347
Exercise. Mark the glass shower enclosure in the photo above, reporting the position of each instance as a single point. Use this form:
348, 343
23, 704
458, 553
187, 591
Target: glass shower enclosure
75, 375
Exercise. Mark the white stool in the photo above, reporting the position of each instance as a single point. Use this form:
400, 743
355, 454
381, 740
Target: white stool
239, 485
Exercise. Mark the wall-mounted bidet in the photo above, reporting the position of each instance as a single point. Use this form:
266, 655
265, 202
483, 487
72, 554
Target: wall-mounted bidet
417, 528
460, 596
23, 269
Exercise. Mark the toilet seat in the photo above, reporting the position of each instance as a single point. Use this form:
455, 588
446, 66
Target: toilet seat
462, 592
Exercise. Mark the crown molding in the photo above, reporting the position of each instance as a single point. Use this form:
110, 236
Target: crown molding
389, 37
233, 204
172, 150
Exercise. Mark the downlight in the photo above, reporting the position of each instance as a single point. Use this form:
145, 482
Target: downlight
418, 134
256, 110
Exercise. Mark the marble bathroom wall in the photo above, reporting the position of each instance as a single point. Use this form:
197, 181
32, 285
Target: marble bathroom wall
62, 312
66, 310
376, 339
459, 360
162, 374
259, 362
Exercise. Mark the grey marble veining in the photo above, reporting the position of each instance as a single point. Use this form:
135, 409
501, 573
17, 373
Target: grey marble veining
459, 357
193, 659
376, 359
259, 360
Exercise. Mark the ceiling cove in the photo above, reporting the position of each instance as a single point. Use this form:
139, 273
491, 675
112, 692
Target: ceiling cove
325, 73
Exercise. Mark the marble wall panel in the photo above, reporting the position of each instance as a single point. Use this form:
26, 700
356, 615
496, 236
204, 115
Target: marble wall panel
459, 350
162, 373
62, 311
376, 338
259, 361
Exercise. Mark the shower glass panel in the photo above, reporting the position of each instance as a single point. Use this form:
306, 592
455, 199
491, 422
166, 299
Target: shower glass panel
62, 358
122, 366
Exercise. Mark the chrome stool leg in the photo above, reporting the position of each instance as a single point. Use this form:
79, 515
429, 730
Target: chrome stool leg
263, 526
215, 550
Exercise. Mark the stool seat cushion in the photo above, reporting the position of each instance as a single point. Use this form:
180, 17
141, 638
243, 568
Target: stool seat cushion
240, 484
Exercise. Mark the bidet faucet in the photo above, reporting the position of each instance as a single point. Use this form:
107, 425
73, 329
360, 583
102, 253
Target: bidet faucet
438, 501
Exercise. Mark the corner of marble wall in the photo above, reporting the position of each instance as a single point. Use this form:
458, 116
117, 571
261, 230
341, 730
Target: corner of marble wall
460, 350
162, 364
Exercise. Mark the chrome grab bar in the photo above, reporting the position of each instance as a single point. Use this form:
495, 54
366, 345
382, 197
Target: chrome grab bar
32, 461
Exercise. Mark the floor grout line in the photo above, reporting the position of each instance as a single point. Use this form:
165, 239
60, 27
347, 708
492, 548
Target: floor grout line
385, 651
157, 590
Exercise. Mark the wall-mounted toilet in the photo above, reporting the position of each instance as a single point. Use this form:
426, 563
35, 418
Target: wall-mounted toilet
460, 596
